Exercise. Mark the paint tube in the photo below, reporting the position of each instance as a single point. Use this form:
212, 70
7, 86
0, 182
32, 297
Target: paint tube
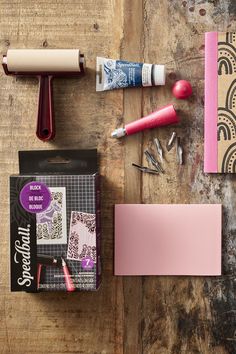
114, 74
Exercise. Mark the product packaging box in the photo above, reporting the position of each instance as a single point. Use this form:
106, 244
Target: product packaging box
55, 221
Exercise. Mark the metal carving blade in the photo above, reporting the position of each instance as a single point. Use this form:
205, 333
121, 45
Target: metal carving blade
171, 141
159, 148
179, 152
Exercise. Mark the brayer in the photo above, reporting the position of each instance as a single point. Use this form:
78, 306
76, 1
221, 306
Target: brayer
45, 64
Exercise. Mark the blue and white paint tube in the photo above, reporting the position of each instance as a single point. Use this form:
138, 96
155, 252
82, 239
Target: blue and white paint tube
114, 74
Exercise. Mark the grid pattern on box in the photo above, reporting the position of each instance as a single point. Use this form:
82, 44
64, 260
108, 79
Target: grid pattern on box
80, 196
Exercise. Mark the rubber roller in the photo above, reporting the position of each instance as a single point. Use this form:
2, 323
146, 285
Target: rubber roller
45, 64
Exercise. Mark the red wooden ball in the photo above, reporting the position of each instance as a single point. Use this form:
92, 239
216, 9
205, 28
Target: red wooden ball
182, 89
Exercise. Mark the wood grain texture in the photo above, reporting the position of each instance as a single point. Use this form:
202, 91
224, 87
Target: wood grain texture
148, 315
132, 286
183, 315
60, 323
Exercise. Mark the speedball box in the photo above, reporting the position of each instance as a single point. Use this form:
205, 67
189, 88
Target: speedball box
55, 221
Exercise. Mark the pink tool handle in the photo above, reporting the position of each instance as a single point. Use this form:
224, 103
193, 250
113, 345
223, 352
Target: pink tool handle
39, 268
45, 123
163, 116
69, 283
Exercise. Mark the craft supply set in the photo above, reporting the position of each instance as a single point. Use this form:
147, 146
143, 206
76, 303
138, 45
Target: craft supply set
55, 200
55, 221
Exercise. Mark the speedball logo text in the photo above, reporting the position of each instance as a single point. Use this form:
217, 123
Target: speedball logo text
22, 250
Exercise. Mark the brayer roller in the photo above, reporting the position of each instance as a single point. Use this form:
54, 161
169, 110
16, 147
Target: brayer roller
45, 64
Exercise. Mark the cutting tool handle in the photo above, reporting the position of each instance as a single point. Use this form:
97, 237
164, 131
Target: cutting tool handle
45, 124
69, 282
39, 268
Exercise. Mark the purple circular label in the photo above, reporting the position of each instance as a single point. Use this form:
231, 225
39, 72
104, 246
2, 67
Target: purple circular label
35, 197
87, 263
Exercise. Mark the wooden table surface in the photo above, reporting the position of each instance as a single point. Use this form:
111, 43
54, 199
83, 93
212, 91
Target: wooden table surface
132, 315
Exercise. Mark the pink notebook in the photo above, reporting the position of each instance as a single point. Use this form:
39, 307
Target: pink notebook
168, 239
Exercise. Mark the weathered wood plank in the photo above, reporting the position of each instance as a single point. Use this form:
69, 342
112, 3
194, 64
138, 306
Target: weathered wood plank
61, 323
181, 314
132, 47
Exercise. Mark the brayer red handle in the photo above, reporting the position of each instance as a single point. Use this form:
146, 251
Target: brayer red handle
45, 124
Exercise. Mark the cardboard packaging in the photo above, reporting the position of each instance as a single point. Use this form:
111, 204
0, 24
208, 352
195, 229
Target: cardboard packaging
220, 103
55, 221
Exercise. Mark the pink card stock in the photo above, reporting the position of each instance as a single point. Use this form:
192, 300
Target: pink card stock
168, 239
211, 103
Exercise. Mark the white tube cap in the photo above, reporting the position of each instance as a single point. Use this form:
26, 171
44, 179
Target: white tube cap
159, 75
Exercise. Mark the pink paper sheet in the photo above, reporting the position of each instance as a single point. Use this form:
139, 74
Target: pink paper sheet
168, 239
211, 103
